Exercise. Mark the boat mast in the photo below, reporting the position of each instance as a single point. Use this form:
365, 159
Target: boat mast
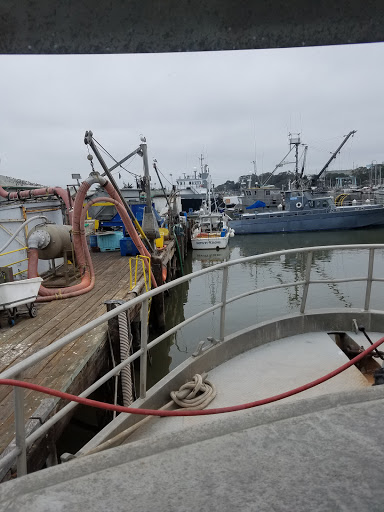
294, 140
201, 159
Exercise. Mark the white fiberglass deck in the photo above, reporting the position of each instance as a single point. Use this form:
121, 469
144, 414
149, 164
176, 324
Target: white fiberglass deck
269, 370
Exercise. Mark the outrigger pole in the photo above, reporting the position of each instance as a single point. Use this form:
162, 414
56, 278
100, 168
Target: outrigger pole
334, 154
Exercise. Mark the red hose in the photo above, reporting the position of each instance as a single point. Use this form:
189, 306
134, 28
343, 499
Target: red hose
153, 412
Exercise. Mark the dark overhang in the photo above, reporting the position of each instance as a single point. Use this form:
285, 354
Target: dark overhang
131, 26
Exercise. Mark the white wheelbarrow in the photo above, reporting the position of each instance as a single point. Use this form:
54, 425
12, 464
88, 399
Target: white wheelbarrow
18, 293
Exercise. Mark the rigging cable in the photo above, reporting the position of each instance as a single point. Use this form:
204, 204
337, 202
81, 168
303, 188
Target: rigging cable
116, 162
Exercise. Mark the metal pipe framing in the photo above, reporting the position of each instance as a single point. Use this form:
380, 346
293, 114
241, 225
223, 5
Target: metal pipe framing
20, 450
307, 281
20, 431
96, 385
117, 164
69, 338
224, 287
369, 279
144, 349
265, 289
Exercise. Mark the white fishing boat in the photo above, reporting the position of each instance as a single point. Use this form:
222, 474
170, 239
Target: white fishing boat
211, 230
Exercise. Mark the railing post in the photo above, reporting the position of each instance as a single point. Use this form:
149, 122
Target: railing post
369, 279
20, 430
144, 342
307, 281
224, 287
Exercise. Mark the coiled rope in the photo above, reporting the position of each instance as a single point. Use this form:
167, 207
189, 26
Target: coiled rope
194, 395
125, 349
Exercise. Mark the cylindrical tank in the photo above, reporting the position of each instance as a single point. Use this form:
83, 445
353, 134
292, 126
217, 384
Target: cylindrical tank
56, 240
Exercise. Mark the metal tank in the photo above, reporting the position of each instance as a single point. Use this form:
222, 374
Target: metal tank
53, 240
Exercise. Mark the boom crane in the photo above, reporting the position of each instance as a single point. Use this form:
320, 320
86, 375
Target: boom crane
334, 154
304, 160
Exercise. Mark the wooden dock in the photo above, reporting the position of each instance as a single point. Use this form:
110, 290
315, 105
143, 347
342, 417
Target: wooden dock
77, 365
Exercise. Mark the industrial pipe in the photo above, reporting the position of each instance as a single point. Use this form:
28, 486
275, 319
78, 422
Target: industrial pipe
81, 250
83, 256
28, 194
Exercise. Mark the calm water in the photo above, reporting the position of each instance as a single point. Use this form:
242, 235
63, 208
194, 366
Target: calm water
205, 291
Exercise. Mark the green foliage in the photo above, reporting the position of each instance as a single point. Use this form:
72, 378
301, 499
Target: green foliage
228, 186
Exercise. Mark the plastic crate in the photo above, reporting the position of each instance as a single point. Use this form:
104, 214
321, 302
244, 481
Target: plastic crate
109, 241
93, 240
127, 247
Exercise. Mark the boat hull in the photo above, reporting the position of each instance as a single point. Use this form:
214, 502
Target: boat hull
217, 242
285, 222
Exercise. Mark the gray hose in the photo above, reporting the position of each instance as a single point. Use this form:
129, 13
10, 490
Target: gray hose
20, 228
125, 348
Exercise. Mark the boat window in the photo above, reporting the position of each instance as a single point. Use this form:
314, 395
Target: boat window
318, 204
255, 192
267, 192
310, 203
325, 204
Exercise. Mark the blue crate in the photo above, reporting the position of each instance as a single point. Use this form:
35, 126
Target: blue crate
93, 241
127, 247
109, 241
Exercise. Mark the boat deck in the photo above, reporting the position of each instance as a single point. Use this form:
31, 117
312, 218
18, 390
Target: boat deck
269, 370
318, 454
54, 320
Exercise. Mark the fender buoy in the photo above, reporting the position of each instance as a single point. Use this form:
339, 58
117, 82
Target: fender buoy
164, 273
298, 205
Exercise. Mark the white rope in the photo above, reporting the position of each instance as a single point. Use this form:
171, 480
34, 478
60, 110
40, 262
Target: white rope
193, 395
196, 394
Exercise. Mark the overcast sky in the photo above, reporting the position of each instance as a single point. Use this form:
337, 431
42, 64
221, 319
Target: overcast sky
230, 106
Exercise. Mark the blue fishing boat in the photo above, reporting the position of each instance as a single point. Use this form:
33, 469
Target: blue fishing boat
307, 211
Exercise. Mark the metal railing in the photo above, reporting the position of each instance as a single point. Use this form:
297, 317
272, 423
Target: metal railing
16, 371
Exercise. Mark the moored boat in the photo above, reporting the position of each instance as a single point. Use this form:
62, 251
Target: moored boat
306, 211
211, 229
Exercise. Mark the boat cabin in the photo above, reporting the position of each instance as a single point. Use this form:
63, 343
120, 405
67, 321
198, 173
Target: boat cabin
211, 222
306, 200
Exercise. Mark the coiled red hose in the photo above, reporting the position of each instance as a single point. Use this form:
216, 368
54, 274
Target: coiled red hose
181, 412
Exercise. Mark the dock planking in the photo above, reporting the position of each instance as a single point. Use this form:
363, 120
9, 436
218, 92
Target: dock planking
54, 320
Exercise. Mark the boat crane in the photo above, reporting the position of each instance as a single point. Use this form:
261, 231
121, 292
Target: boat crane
334, 155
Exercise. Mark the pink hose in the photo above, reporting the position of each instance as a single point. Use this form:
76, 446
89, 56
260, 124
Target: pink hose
27, 194
128, 226
83, 257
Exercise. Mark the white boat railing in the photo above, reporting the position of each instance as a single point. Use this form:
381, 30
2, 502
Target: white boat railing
16, 372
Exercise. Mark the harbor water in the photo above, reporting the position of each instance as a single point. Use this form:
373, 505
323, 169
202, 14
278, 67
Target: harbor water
205, 291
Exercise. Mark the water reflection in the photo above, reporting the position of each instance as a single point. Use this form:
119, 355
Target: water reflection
199, 294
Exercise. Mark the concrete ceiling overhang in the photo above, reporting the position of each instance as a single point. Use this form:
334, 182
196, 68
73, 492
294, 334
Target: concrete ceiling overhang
131, 26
